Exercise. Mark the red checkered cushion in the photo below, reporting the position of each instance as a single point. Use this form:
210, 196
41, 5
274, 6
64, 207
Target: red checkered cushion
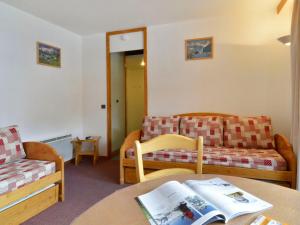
248, 132
157, 125
210, 127
19, 173
264, 159
11, 147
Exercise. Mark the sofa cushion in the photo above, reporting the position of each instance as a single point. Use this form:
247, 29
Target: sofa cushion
264, 159
248, 132
210, 127
11, 147
19, 173
157, 125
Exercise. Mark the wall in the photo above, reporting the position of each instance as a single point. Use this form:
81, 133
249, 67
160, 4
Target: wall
117, 100
134, 92
44, 101
127, 42
94, 87
249, 74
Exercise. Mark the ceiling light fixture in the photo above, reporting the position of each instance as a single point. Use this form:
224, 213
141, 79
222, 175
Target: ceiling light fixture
285, 39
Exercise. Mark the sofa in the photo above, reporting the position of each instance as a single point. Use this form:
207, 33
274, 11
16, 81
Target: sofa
233, 145
31, 177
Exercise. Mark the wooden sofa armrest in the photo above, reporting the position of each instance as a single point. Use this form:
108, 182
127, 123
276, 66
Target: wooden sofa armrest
128, 143
41, 151
285, 149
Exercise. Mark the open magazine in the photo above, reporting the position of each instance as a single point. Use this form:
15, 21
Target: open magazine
198, 202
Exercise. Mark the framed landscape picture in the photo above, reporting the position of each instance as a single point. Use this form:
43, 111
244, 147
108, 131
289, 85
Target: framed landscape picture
199, 48
48, 55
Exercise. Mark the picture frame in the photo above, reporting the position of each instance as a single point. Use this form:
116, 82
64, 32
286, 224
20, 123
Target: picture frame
48, 55
199, 48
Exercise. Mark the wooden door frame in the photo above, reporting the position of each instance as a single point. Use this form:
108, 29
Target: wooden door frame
108, 79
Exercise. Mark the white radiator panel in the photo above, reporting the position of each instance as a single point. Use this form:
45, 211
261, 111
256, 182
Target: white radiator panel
62, 145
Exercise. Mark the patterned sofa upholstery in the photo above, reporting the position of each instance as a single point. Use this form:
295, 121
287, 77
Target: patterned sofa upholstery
15, 170
21, 172
31, 177
229, 142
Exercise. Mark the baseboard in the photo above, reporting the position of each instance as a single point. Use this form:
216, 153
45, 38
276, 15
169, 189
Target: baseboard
115, 153
73, 159
69, 161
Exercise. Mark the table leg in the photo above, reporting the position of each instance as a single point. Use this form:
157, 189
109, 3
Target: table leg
96, 152
77, 155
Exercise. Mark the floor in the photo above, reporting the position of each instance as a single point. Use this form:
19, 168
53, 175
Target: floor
84, 186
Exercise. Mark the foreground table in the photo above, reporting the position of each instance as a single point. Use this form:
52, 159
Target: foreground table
121, 208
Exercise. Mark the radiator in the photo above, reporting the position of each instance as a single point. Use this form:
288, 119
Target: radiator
62, 145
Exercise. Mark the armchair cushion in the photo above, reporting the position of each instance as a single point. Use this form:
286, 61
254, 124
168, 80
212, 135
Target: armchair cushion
19, 173
248, 132
156, 125
11, 148
210, 127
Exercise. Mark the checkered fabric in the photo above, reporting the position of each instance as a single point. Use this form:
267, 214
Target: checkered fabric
157, 125
19, 173
11, 147
264, 159
248, 132
210, 127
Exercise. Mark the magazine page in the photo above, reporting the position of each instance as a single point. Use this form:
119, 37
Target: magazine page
146, 213
228, 198
176, 204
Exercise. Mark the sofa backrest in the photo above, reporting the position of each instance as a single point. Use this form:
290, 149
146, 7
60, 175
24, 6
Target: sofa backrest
248, 132
11, 148
157, 125
209, 127
205, 114
218, 129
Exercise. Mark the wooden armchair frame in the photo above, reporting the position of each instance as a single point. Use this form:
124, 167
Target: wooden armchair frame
167, 141
36, 204
128, 173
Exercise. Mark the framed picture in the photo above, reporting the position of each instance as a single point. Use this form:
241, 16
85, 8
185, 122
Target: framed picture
48, 55
199, 48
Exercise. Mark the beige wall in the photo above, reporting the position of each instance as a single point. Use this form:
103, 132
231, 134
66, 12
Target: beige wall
45, 102
117, 94
126, 42
134, 92
249, 74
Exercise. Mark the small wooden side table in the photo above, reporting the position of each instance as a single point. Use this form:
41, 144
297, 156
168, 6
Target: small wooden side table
94, 141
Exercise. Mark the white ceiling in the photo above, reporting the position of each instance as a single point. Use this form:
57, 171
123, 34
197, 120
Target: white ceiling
86, 17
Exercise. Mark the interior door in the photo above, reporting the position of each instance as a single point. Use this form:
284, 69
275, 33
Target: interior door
117, 100
134, 65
